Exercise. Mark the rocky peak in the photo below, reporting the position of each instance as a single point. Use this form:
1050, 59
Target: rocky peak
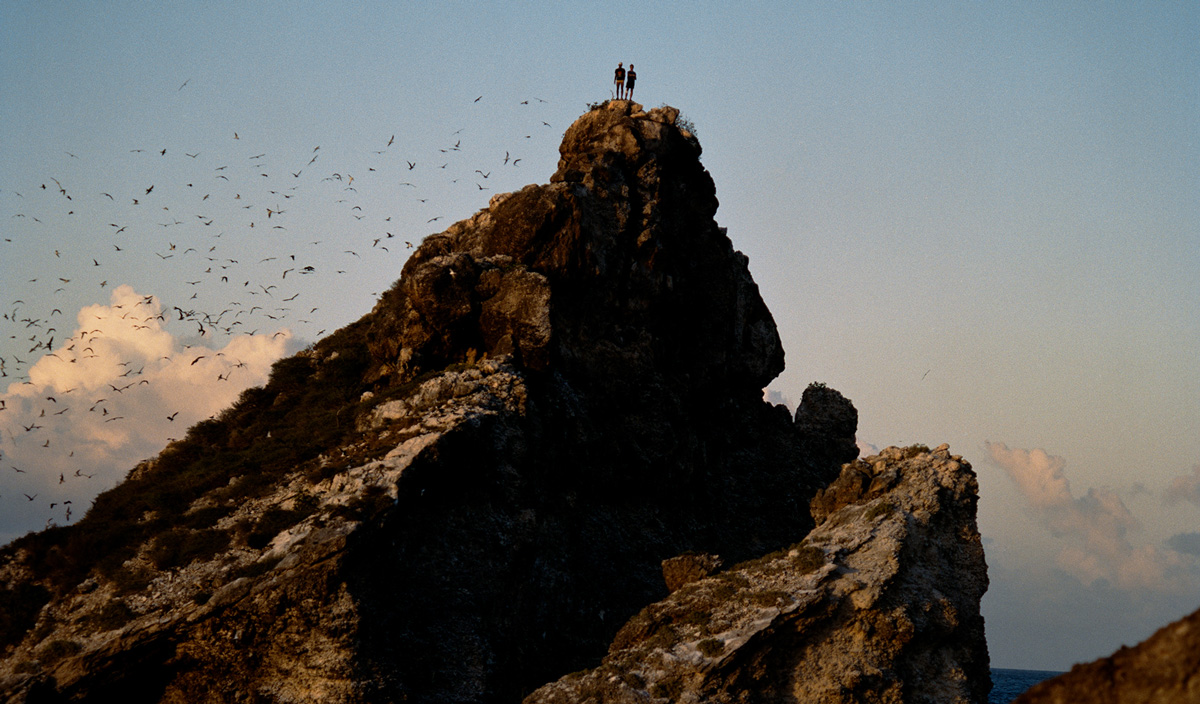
615, 266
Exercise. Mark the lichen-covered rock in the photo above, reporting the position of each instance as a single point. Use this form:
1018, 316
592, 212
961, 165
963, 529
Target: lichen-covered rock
880, 603
685, 569
1163, 669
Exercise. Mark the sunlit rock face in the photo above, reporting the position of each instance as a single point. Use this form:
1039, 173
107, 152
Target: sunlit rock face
472, 490
879, 603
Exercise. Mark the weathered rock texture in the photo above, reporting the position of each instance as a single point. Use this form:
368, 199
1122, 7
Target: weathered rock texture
463, 495
1163, 669
880, 603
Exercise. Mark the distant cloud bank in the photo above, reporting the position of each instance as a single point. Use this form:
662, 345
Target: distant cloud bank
1095, 527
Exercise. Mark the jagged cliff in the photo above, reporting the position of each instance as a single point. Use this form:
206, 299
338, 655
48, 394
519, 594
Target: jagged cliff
468, 492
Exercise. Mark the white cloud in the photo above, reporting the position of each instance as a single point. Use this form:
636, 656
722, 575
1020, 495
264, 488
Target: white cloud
109, 396
1038, 475
1095, 527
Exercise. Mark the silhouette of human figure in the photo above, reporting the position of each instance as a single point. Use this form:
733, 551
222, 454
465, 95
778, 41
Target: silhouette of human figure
619, 79
630, 79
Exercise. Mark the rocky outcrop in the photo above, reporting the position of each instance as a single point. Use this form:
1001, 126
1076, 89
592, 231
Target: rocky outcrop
1163, 669
880, 603
465, 494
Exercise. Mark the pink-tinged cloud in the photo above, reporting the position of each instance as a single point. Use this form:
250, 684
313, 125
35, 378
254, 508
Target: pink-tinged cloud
1184, 488
110, 396
1095, 527
1038, 475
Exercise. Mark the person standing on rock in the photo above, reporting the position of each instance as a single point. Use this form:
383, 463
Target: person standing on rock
630, 79
619, 79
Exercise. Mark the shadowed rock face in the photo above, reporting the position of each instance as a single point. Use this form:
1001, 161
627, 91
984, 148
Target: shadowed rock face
558, 394
879, 603
1163, 669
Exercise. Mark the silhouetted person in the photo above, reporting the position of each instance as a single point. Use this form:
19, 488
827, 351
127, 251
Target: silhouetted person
630, 79
619, 79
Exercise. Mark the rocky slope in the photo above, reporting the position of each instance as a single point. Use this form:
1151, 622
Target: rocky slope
468, 492
1163, 669
880, 603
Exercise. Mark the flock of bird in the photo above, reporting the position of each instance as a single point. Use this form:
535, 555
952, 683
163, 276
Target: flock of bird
210, 242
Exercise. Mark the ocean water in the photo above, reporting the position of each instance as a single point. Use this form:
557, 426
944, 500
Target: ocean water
1007, 685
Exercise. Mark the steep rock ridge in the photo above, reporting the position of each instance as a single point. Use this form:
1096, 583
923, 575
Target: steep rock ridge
464, 494
880, 603
1163, 669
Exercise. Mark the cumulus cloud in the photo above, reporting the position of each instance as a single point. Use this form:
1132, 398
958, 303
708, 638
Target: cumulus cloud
1096, 527
109, 396
1184, 488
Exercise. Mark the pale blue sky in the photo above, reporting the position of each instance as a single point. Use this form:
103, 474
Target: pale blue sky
980, 221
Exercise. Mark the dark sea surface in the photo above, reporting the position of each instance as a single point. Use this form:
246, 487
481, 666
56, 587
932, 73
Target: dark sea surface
1007, 685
